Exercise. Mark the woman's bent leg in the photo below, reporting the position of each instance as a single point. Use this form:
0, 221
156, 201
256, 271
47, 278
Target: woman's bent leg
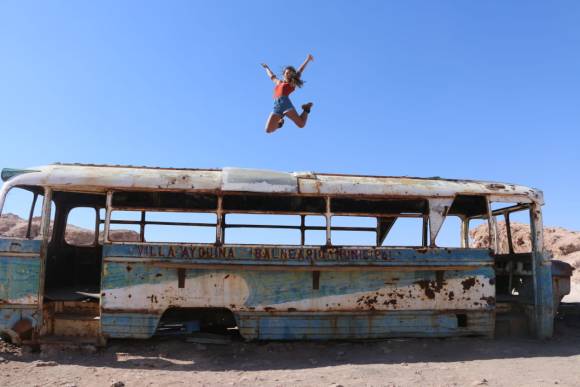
300, 120
273, 122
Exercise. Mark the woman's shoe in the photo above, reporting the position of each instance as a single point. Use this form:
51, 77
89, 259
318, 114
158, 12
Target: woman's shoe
306, 107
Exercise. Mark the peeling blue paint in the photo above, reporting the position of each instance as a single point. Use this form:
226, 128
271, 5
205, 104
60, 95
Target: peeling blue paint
328, 326
19, 278
125, 325
275, 287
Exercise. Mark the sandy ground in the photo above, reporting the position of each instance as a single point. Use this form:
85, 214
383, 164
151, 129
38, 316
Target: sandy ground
424, 362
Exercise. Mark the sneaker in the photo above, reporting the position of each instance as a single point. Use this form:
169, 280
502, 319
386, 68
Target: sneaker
306, 107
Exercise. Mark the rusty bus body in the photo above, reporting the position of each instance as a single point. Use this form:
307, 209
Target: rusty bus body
115, 288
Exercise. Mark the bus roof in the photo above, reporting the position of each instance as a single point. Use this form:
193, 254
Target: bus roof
103, 178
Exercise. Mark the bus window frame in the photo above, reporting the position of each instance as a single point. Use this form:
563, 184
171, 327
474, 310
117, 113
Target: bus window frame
221, 224
43, 193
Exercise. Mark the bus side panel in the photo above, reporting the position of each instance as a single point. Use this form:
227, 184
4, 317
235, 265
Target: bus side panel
19, 282
129, 325
413, 302
363, 325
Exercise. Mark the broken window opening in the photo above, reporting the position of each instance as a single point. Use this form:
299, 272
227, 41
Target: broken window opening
81, 227
22, 213
162, 227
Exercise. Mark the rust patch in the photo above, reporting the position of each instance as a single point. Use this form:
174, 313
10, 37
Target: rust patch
391, 302
368, 301
451, 296
432, 287
129, 268
490, 300
292, 309
269, 309
468, 283
23, 327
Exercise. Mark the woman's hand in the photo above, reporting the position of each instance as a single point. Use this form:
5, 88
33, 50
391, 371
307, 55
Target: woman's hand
309, 58
271, 75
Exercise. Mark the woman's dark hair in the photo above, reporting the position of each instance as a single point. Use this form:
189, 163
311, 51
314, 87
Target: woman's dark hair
294, 76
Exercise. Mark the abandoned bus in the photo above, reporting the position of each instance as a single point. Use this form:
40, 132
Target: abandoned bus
271, 255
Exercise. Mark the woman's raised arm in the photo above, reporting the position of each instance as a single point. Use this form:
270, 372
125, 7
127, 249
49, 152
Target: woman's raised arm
309, 58
271, 75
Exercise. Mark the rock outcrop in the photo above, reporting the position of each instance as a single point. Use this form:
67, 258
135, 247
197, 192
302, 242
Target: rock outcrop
562, 244
14, 226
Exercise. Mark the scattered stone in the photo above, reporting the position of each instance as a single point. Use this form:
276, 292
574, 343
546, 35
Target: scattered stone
208, 338
118, 384
482, 382
41, 363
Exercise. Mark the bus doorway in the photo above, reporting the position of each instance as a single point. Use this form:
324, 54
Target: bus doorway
73, 267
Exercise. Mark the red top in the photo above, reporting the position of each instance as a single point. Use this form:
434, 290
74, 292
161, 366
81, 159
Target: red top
283, 88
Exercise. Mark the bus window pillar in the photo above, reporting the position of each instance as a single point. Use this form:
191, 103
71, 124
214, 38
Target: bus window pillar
109, 206
464, 232
491, 225
328, 217
220, 222
45, 234
542, 271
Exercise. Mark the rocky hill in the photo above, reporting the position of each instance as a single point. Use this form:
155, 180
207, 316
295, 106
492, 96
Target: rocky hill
14, 226
562, 244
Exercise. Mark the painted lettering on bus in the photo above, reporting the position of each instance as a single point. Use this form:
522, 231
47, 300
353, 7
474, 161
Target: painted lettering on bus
260, 253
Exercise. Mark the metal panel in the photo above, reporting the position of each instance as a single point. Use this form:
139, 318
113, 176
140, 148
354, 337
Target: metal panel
328, 326
255, 180
129, 325
12, 315
91, 178
437, 212
139, 286
19, 271
148, 288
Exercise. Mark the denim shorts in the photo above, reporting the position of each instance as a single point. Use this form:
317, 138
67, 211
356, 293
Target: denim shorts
282, 105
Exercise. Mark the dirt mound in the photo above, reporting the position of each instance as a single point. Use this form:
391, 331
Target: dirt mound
14, 226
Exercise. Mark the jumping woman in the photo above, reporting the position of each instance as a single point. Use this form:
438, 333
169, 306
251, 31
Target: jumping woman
282, 104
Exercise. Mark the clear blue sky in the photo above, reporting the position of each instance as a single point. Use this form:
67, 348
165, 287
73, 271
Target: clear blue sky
481, 90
